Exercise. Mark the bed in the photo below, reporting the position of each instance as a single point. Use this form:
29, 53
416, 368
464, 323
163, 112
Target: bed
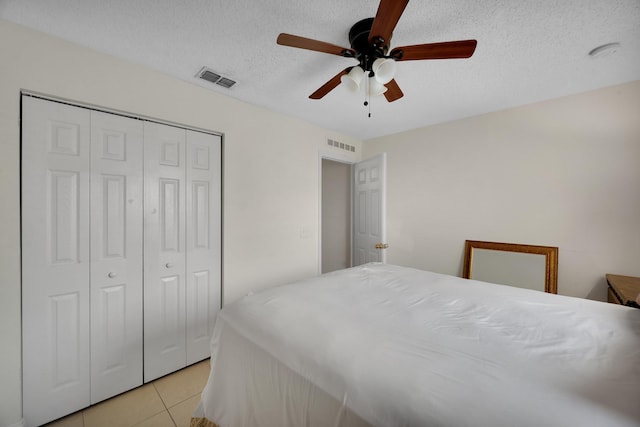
383, 345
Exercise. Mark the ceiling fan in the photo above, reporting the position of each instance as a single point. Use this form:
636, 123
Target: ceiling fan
370, 39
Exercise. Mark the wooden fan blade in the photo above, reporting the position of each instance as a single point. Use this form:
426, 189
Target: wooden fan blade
445, 50
316, 45
389, 12
393, 91
330, 85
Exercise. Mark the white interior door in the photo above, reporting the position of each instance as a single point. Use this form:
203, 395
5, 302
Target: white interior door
116, 254
55, 259
164, 250
369, 231
203, 241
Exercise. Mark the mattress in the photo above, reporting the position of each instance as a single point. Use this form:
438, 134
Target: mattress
384, 345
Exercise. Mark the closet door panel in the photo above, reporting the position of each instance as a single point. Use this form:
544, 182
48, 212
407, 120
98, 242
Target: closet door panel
164, 240
116, 254
55, 259
203, 241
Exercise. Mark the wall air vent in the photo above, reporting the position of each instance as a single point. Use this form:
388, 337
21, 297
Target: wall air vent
213, 77
341, 145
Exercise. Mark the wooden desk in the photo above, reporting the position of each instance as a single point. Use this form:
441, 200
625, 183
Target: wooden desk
623, 290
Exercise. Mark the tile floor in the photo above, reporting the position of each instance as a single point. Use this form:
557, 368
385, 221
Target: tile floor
165, 402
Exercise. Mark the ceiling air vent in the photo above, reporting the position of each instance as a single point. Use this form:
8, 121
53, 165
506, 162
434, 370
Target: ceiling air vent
225, 82
213, 77
208, 75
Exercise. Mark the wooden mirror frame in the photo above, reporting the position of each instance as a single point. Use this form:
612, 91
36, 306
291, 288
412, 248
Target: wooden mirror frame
550, 253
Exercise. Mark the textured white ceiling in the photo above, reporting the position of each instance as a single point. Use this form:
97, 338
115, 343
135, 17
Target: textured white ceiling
527, 51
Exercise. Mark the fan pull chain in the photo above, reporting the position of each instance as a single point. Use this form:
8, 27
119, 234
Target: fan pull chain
367, 97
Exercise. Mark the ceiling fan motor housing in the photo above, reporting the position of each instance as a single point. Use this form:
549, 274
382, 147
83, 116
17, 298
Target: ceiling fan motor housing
366, 52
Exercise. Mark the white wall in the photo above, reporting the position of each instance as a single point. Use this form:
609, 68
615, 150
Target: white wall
271, 172
560, 173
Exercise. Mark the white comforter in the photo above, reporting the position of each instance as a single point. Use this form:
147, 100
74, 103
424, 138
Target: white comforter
403, 347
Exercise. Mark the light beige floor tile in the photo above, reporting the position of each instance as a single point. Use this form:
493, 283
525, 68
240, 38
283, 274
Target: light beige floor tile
181, 413
73, 420
163, 419
183, 384
125, 410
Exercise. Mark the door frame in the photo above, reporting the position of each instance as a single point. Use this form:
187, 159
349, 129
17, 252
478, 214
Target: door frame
334, 157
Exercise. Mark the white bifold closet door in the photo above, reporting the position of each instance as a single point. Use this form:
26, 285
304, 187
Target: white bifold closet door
182, 246
204, 226
81, 257
116, 254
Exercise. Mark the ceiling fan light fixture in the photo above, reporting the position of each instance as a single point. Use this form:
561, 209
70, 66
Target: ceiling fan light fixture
353, 78
370, 43
384, 69
376, 88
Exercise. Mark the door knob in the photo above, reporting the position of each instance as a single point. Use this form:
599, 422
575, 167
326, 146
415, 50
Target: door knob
168, 265
112, 275
382, 245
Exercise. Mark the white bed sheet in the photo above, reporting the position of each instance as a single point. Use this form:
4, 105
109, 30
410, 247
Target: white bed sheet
384, 345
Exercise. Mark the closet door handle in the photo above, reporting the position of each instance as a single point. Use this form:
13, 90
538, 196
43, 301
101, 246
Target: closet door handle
112, 275
168, 265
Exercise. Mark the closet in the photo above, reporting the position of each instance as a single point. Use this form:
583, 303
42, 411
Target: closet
120, 253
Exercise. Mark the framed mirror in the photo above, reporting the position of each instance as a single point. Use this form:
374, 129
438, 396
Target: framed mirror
524, 266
